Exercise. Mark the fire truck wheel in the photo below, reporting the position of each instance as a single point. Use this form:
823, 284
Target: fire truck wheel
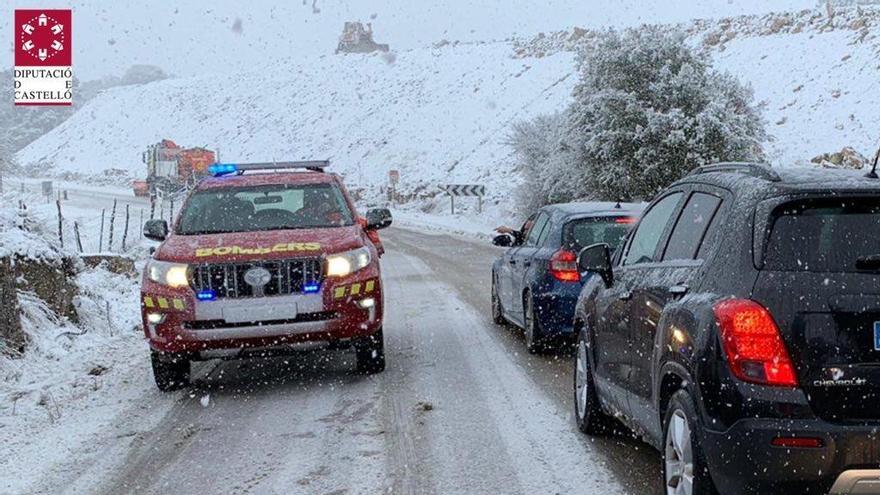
371, 353
170, 372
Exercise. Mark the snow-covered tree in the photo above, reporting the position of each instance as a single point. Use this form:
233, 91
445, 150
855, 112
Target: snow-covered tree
648, 109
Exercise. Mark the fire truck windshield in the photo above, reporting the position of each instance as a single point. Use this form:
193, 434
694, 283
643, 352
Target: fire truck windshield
258, 208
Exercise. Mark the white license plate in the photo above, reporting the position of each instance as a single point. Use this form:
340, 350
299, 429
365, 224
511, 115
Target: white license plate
258, 312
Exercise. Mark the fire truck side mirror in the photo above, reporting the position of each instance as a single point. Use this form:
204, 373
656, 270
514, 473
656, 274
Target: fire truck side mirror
378, 218
156, 230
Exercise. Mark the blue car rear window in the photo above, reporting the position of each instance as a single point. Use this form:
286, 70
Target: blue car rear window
584, 232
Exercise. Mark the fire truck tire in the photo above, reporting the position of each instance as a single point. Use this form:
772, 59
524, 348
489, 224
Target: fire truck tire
170, 372
370, 354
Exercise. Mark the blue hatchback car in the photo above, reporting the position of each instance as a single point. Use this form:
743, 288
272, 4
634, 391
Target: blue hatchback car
536, 283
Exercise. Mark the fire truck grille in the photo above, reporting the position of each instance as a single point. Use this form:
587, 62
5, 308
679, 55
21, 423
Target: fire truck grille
286, 277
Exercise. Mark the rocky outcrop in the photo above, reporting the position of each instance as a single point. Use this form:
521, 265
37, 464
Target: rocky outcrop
12, 339
52, 281
112, 263
846, 158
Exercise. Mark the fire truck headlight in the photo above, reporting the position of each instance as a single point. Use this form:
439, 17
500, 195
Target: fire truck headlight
342, 264
155, 318
173, 275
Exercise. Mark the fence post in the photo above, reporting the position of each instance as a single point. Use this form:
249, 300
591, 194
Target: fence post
125, 233
79, 245
171, 213
60, 230
112, 221
101, 235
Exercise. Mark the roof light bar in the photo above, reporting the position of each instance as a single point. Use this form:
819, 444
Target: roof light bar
220, 169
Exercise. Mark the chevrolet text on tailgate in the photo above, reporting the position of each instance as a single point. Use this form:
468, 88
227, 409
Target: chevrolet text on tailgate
262, 257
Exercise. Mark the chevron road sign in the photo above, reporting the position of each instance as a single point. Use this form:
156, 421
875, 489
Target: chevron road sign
459, 190
464, 190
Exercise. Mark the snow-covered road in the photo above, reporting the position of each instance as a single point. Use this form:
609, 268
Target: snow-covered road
460, 409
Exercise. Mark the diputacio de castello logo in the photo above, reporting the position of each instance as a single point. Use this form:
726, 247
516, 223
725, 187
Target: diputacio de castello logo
43, 57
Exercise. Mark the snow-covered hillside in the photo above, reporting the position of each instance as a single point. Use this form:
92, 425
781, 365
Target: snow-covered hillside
436, 115
442, 114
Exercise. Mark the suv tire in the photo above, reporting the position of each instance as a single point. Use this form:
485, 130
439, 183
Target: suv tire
169, 371
370, 353
591, 419
681, 454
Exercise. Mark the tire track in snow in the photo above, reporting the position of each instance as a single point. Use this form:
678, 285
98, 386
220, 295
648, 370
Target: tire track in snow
527, 442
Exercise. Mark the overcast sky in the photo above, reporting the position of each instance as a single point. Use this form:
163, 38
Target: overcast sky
192, 37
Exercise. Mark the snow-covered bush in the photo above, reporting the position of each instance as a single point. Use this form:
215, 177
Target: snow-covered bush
543, 156
647, 110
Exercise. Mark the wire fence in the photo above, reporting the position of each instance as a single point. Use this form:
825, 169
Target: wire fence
117, 228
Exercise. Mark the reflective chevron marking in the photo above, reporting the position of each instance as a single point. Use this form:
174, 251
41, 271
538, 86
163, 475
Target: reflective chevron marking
464, 189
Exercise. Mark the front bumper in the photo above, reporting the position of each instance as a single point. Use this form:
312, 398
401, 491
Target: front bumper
340, 312
742, 460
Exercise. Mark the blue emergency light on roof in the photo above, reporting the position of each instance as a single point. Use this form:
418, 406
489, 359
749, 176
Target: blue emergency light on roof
206, 295
221, 169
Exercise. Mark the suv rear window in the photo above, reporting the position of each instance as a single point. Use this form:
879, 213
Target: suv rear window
823, 235
584, 232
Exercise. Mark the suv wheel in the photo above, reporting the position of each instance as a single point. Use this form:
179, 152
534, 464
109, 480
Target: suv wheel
534, 340
684, 466
497, 312
370, 353
590, 417
170, 372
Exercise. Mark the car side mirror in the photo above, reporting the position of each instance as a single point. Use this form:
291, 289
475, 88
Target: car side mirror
156, 230
378, 218
596, 259
503, 240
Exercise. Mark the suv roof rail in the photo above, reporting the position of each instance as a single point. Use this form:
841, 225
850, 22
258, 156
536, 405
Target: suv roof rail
219, 169
759, 170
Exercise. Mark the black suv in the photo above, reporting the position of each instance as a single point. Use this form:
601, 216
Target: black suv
738, 331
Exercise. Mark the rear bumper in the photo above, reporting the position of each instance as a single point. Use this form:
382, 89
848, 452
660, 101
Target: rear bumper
742, 460
338, 314
555, 305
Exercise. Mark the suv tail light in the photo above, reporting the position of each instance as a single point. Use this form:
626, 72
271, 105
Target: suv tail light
563, 266
753, 345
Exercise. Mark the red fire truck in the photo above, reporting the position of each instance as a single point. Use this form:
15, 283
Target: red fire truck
263, 258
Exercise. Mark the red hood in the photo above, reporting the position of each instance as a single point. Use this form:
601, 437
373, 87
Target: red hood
246, 246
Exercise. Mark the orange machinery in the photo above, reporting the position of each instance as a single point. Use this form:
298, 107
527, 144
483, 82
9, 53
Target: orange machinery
171, 168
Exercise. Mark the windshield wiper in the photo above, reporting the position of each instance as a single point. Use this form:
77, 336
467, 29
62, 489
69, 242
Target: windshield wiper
870, 262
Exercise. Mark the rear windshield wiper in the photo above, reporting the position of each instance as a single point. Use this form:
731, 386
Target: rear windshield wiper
870, 262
